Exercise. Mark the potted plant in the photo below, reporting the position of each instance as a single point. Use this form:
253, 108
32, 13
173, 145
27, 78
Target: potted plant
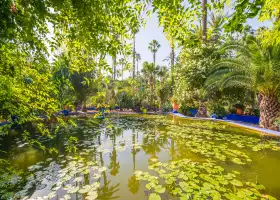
239, 109
175, 104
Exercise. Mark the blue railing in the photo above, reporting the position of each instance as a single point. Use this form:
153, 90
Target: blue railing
243, 118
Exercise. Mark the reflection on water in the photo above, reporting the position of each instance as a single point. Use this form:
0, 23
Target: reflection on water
111, 154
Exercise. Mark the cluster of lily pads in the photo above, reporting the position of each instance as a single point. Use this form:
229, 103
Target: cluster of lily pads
79, 176
212, 139
69, 180
185, 179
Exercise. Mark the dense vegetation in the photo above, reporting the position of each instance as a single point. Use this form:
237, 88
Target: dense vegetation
54, 55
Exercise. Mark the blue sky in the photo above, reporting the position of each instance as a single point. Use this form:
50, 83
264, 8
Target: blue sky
146, 35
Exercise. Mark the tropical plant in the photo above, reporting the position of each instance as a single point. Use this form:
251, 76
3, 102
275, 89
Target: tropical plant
149, 71
204, 21
138, 58
255, 67
215, 27
124, 66
154, 47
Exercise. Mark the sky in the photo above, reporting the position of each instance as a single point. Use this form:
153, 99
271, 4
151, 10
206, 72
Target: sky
146, 35
153, 31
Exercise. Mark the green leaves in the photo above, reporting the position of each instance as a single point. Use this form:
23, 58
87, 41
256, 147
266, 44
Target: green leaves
237, 161
154, 196
236, 183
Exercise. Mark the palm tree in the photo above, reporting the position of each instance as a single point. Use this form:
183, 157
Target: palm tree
204, 20
138, 58
162, 74
123, 62
216, 22
154, 47
162, 90
257, 68
133, 183
149, 70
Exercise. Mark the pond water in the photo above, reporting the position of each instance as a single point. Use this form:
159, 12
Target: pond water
148, 157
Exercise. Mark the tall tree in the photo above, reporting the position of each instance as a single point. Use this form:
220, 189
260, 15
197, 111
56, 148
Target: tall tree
256, 68
114, 67
170, 38
124, 65
134, 57
204, 20
149, 71
138, 58
154, 47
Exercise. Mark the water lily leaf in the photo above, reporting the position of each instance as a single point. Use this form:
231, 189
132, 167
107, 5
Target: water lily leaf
268, 197
92, 195
95, 185
74, 190
66, 197
177, 191
148, 186
51, 195
78, 179
237, 161
215, 195
159, 189
85, 189
236, 172
154, 196
236, 182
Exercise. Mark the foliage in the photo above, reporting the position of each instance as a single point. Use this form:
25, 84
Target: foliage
264, 10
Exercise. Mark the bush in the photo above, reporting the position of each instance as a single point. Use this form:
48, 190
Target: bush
218, 108
145, 103
167, 107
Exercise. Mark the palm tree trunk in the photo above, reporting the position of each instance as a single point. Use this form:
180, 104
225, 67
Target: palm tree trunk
269, 111
202, 110
204, 20
133, 72
154, 80
152, 90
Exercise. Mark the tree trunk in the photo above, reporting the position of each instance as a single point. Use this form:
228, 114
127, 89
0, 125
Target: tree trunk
133, 72
122, 72
202, 110
269, 111
152, 90
114, 67
204, 21
172, 67
154, 80
137, 68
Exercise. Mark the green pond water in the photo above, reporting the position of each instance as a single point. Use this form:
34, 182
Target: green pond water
148, 157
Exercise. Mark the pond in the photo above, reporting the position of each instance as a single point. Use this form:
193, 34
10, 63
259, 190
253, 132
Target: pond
147, 157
